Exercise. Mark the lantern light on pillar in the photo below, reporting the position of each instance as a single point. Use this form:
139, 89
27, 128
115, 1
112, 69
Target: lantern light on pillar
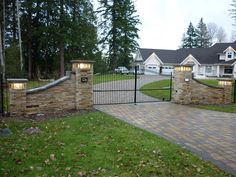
17, 84
183, 68
225, 82
83, 65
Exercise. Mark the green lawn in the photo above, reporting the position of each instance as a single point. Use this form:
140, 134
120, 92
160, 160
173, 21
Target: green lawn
94, 144
159, 94
110, 77
211, 82
34, 84
223, 108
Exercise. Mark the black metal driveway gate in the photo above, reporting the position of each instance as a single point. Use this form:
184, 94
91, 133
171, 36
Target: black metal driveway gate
128, 88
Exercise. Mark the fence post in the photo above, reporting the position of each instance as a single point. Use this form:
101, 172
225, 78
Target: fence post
234, 91
2, 96
170, 86
135, 84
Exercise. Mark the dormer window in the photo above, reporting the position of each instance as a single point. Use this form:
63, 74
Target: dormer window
229, 55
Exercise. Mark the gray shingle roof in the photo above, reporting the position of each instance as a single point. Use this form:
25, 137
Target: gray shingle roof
203, 55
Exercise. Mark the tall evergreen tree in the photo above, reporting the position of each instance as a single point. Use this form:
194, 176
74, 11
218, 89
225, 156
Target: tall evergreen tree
233, 11
190, 38
119, 30
203, 37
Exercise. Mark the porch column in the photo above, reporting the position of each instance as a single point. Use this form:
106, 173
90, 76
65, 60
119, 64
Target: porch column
218, 70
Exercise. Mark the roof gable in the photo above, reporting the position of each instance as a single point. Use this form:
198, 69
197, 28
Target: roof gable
190, 60
151, 57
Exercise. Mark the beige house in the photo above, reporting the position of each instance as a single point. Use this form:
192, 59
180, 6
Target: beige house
216, 61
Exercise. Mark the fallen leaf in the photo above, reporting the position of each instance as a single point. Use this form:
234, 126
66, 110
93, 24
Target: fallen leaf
52, 157
68, 168
47, 161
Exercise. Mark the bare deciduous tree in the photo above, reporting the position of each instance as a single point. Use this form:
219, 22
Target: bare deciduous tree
212, 30
19, 33
221, 35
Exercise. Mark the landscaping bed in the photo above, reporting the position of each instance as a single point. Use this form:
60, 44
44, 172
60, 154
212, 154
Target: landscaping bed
93, 144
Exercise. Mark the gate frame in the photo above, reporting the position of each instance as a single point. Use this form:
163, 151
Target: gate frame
135, 91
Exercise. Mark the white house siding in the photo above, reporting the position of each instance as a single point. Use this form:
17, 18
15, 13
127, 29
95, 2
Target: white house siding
152, 65
234, 70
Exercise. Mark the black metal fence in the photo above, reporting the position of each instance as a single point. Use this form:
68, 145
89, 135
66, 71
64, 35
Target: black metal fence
234, 92
4, 96
131, 87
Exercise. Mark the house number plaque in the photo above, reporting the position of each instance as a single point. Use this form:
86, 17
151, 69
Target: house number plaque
84, 79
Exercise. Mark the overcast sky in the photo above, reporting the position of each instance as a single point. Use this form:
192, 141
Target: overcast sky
165, 21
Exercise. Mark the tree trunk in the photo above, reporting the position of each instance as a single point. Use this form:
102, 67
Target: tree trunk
3, 36
61, 47
1, 55
19, 34
29, 59
14, 20
29, 42
62, 59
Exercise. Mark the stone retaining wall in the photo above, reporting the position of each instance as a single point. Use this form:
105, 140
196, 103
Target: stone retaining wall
72, 92
54, 99
187, 90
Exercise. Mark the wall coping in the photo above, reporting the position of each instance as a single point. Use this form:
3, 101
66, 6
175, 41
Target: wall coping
47, 86
82, 61
16, 80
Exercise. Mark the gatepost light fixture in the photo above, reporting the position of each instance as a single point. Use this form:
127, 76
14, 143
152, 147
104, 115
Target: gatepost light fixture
183, 68
82, 65
225, 82
17, 84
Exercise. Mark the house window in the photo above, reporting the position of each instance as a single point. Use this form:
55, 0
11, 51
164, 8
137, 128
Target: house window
208, 69
230, 55
228, 70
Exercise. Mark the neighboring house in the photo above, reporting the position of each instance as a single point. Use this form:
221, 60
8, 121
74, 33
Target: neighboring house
216, 61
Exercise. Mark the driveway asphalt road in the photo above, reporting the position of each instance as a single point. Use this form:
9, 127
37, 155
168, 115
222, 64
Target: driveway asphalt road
210, 134
123, 90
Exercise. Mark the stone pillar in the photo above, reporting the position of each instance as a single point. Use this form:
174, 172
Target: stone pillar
228, 89
17, 94
182, 78
84, 84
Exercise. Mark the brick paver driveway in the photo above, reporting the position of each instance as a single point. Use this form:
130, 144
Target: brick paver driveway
210, 134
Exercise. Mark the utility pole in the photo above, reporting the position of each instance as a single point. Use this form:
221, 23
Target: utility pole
19, 34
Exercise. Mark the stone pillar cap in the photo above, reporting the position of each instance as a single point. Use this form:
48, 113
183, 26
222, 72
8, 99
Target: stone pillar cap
82, 61
17, 80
